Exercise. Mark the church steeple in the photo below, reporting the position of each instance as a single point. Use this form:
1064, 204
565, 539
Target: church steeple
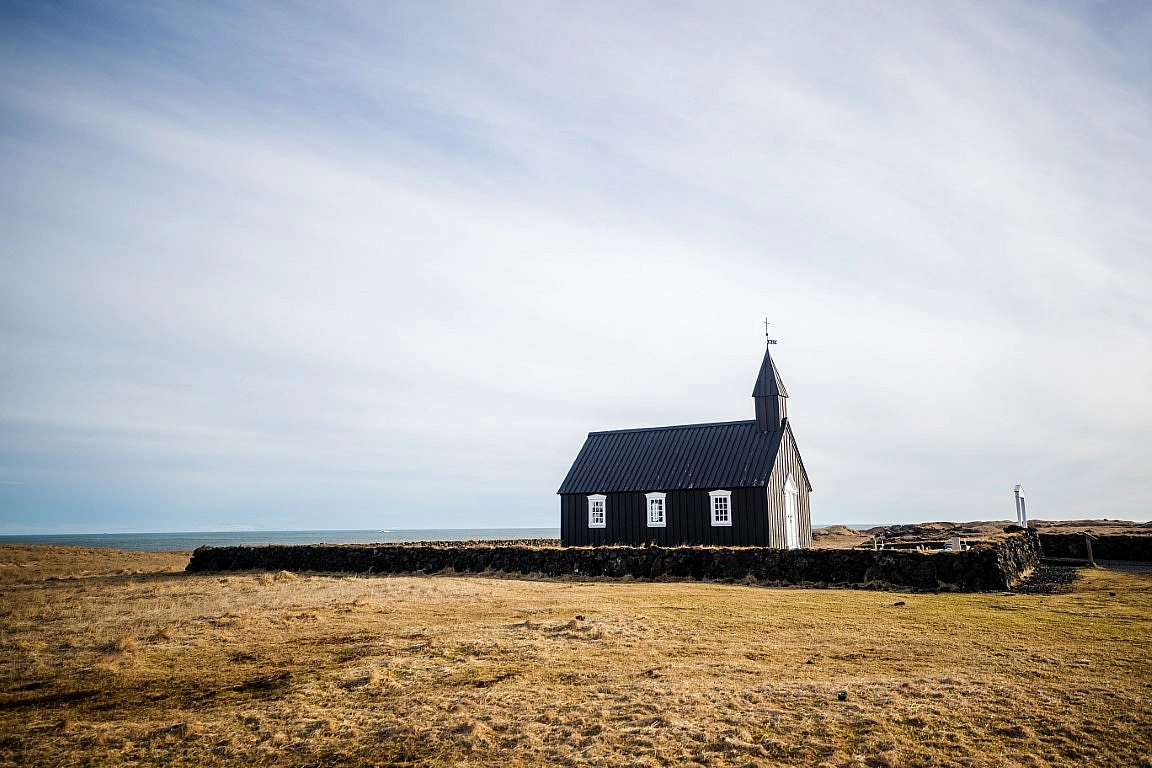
770, 396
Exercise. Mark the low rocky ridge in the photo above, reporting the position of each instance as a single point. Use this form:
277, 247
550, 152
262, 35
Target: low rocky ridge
988, 565
1112, 539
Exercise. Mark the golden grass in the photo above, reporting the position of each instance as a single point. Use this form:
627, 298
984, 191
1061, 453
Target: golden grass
286, 669
25, 562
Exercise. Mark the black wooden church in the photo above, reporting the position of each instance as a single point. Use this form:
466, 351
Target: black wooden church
732, 483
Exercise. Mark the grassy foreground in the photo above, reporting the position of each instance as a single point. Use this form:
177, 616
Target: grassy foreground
119, 658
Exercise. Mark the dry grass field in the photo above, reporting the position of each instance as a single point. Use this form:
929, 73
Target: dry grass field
119, 658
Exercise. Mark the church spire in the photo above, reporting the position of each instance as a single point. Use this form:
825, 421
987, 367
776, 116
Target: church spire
770, 396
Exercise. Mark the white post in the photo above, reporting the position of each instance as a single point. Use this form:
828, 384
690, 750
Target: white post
1021, 509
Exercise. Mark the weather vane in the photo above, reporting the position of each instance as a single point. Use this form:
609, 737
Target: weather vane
770, 341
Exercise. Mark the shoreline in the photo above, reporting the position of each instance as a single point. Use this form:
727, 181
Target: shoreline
827, 536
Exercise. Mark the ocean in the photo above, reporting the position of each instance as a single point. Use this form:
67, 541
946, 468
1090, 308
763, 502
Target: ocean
185, 541
180, 542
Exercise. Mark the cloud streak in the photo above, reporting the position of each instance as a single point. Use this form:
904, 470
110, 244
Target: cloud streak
386, 267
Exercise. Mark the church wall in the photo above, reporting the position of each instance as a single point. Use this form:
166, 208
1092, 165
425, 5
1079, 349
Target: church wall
688, 514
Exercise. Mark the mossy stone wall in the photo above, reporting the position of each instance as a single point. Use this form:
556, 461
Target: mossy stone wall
988, 566
1108, 547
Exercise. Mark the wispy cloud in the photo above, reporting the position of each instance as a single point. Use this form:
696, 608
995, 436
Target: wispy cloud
385, 266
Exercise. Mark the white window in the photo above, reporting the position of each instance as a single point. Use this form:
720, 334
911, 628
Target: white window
596, 518
721, 507
656, 516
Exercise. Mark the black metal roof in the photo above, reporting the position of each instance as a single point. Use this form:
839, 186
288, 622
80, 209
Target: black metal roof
730, 454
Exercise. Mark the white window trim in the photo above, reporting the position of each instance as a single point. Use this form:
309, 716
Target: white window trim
603, 500
727, 496
663, 499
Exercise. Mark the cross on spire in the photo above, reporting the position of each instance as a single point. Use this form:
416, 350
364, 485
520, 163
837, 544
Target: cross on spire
766, 324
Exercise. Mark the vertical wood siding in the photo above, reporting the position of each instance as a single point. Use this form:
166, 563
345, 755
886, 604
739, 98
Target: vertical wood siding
757, 510
688, 515
788, 462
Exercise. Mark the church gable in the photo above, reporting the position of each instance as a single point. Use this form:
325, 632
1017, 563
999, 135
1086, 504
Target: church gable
789, 477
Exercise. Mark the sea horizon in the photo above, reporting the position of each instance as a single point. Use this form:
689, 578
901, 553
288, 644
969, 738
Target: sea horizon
180, 541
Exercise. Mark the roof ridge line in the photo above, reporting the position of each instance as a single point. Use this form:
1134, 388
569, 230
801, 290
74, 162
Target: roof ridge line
673, 426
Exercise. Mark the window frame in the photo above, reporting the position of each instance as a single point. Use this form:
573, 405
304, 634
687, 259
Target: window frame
662, 498
593, 500
715, 498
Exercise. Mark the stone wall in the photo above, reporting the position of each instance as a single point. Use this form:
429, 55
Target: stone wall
988, 566
1109, 547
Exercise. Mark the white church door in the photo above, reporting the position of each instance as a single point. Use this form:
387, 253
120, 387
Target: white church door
791, 514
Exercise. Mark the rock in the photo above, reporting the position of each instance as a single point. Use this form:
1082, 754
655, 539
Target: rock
843, 695
1048, 580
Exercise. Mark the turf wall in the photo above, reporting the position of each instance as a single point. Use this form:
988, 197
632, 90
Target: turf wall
988, 566
1108, 547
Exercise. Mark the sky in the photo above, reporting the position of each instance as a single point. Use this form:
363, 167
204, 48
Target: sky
360, 265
